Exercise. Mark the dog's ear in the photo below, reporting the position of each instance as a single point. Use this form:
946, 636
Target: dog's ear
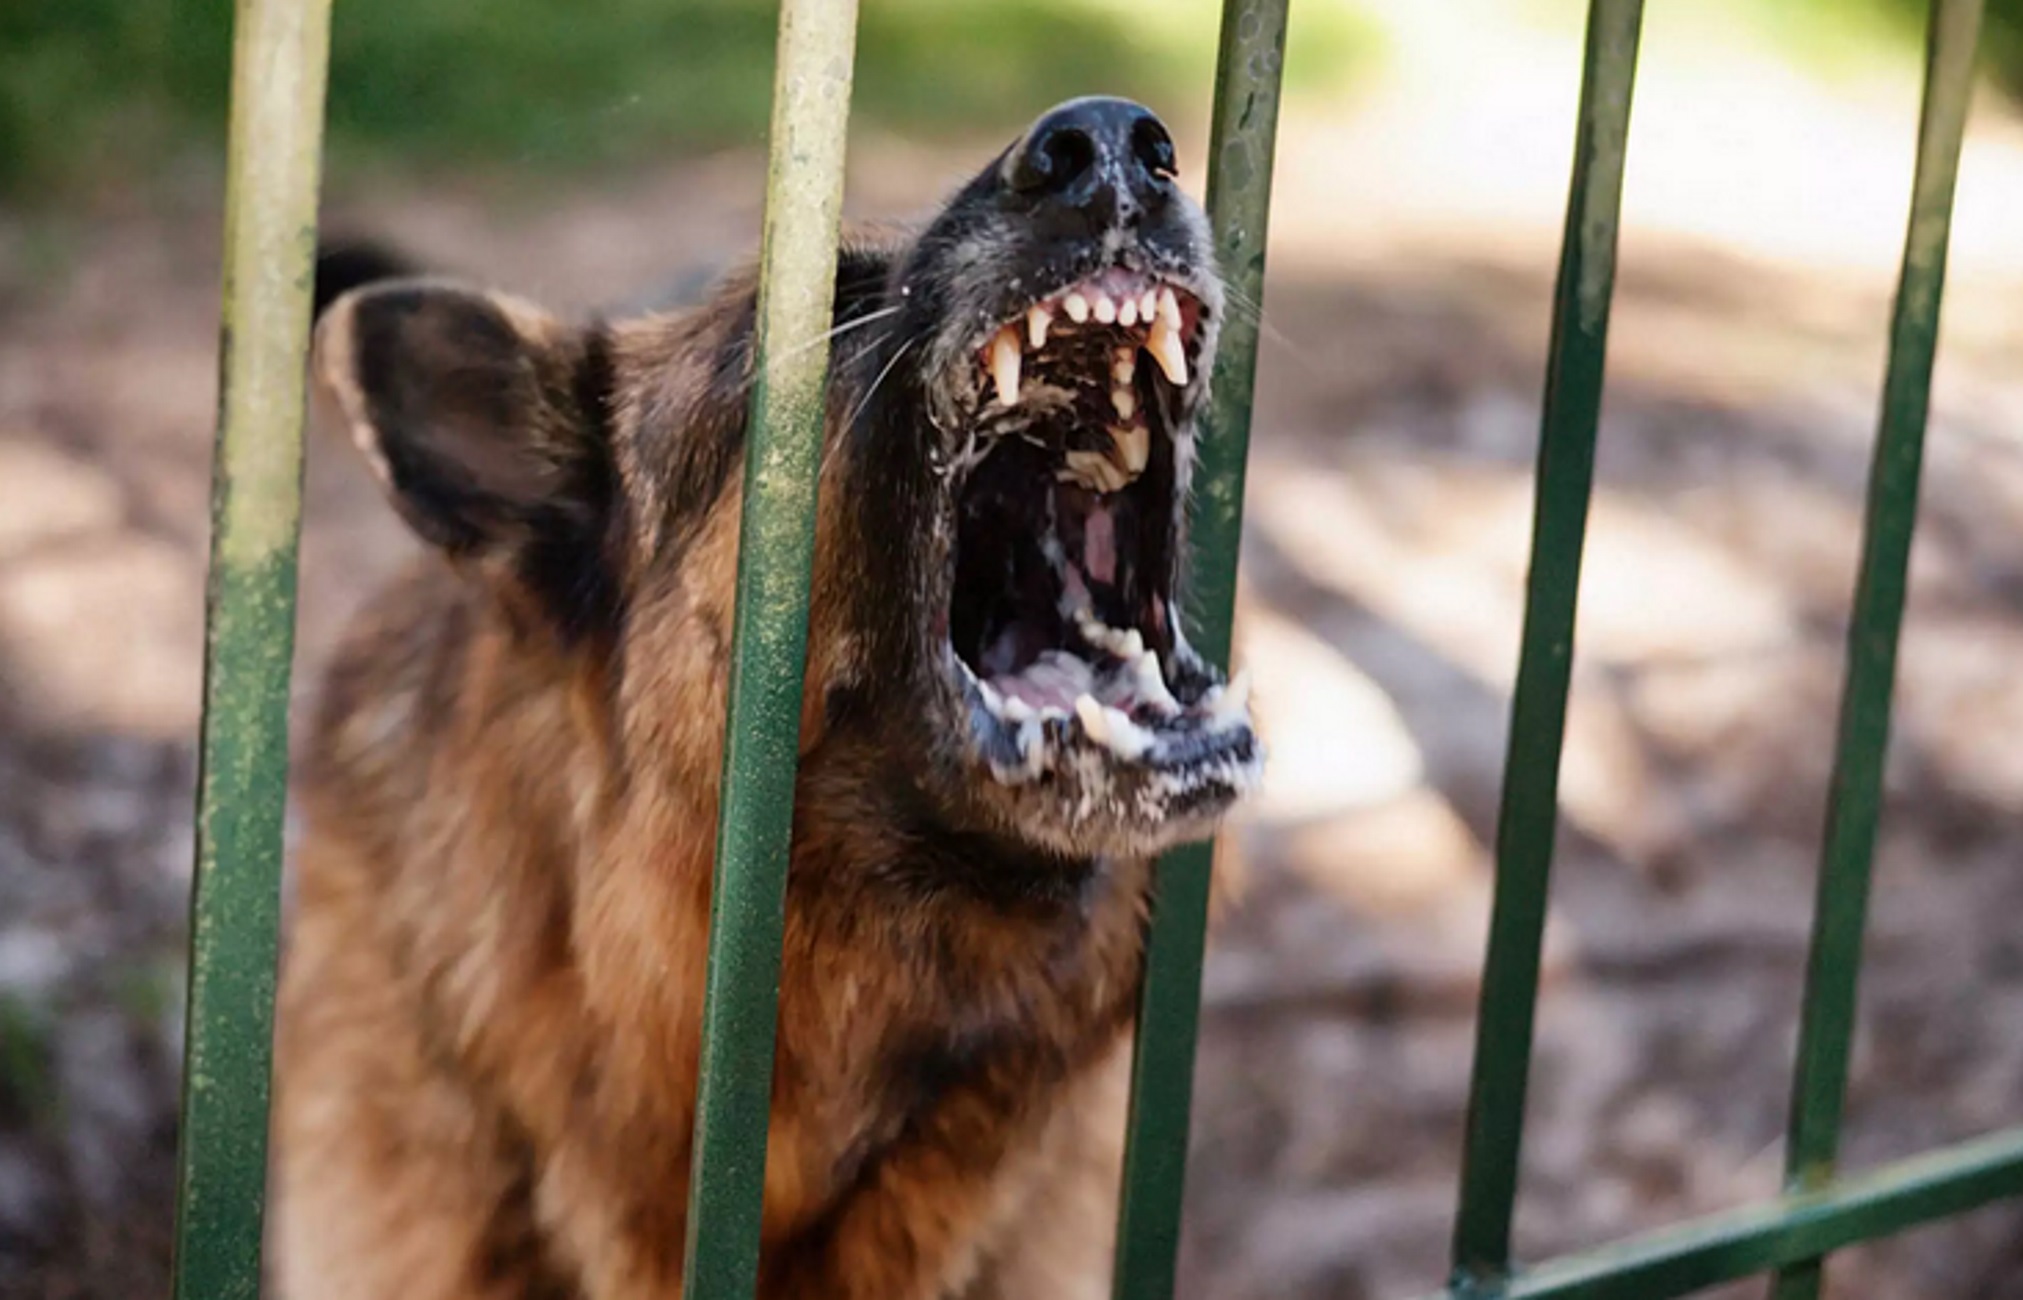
485, 419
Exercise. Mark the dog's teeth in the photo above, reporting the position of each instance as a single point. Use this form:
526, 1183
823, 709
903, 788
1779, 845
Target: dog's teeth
1126, 643
1037, 320
1076, 306
1124, 366
1004, 365
1169, 309
1127, 312
1152, 683
1093, 721
991, 699
1105, 309
1163, 342
1148, 306
1230, 706
1017, 710
1134, 443
1121, 736
1125, 401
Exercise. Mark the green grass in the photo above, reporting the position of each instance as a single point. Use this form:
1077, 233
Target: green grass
96, 92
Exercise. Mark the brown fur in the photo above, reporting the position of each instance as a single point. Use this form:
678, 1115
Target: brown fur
491, 1005
492, 1001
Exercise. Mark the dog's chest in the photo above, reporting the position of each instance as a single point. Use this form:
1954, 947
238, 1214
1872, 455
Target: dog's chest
965, 1033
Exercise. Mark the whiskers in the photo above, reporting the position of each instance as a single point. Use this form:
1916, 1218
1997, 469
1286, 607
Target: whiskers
836, 332
886, 370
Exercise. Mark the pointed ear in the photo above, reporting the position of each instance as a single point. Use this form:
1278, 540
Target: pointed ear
485, 419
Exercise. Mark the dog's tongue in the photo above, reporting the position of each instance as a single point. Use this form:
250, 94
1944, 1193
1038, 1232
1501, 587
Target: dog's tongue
1099, 544
1059, 677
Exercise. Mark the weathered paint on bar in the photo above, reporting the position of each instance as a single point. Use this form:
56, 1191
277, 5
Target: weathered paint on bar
1854, 800
804, 197
1724, 1247
1529, 818
1241, 144
279, 62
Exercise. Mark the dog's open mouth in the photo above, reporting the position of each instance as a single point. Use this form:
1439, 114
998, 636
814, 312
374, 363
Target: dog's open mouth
1068, 522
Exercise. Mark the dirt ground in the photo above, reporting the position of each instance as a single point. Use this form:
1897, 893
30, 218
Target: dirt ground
1385, 550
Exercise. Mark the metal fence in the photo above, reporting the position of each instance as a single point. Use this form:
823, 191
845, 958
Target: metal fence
277, 97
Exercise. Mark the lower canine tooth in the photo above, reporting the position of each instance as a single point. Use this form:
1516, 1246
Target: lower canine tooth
1037, 321
1152, 683
1093, 721
1076, 306
1164, 345
1124, 366
1004, 365
1125, 738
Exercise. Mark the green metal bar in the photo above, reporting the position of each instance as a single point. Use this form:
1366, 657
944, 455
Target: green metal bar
1528, 820
1854, 801
279, 62
1724, 1247
1241, 144
776, 546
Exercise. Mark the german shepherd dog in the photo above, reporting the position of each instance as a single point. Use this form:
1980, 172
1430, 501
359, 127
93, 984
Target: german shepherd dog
491, 1003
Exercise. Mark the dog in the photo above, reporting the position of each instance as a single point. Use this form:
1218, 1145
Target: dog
491, 1000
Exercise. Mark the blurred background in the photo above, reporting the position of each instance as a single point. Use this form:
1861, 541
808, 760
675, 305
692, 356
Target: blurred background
587, 155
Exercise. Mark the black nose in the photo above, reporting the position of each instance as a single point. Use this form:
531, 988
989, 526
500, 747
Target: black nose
1105, 162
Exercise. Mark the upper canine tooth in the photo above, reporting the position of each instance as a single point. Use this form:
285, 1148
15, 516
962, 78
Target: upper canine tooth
1164, 344
1135, 442
1076, 306
1148, 306
1004, 365
1037, 320
1125, 401
1105, 308
1124, 365
1127, 312
1169, 309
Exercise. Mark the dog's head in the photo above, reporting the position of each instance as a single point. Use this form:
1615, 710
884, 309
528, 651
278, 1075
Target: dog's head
1014, 390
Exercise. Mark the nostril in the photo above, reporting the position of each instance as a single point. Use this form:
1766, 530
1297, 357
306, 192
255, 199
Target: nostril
1070, 152
1153, 147
1055, 158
